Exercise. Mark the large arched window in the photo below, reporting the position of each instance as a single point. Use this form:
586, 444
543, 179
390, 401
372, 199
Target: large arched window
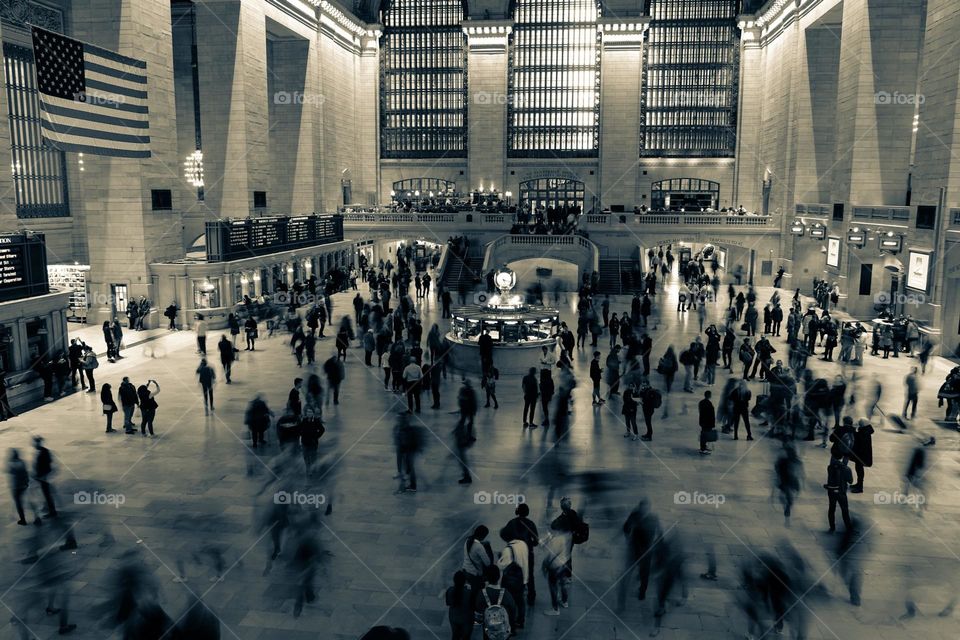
554, 107
690, 81
423, 80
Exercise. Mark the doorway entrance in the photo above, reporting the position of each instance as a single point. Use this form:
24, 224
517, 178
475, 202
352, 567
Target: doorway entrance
119, 299
552, 193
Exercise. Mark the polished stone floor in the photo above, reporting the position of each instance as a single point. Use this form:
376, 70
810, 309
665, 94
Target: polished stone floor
197, 486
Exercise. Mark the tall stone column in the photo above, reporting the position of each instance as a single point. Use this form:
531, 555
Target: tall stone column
366, 182
816, 112
124, 234
291, 107
232, 66
487, 60
620, 69
876, 100
748, 177
938, 135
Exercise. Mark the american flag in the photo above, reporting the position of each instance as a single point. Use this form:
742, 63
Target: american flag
92, 100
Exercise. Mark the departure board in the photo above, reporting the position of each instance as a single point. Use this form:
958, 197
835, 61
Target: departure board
23, 266
249, 237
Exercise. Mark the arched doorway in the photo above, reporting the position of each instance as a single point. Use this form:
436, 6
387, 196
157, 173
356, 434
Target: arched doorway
688, 194
552, 193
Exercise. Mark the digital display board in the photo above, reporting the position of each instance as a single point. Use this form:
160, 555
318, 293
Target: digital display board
238, 239
299, 229
23, 266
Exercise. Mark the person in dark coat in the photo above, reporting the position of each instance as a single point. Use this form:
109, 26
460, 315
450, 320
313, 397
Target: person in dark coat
708, 421
531, 391
129, 400
225, 347
109, 406
258, 420
42, 471
862, 452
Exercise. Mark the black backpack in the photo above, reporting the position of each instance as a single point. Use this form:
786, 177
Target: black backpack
581, 533
512, 579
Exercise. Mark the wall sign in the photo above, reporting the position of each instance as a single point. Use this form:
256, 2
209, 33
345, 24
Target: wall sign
918, 270
833, 252
23, 266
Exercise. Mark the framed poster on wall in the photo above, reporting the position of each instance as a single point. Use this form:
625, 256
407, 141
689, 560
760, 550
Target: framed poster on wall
833, 252
918, 270
722, 258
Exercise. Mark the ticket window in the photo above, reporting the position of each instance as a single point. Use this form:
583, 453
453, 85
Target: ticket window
6, 350
206, 295
38, 340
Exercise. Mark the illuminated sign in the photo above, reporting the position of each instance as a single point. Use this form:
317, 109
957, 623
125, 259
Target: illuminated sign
857, 237
891, 242
818, 231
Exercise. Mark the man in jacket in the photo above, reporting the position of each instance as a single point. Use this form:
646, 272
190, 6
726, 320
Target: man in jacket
729, 338
740, 404
838, 478
128, 401
650, 400
764, 351
531, 391
708, 421
862, 452
225, 347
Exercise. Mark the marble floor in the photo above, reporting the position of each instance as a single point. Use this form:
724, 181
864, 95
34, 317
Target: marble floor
197, 486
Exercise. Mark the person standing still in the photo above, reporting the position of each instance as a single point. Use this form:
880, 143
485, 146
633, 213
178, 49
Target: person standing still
596, 375
250, 327
839, 477
531, 391
117, 339
412, 375
201, 328
207, 377
708, 421
129, 402
109, 406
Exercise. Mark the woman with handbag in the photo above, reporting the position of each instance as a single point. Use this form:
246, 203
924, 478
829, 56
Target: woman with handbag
250, 326
109, 406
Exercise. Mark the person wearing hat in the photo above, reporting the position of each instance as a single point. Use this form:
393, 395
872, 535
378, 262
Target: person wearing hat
862, 451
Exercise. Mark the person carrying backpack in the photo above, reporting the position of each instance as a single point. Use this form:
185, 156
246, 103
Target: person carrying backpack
495, 607
839, 478
514, 576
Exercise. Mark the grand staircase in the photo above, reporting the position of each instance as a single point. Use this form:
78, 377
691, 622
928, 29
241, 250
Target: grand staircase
464, 271
611, 280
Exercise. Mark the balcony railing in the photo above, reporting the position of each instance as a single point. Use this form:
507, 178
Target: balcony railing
590, 222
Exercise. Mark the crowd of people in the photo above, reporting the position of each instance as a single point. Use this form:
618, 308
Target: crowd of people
737, 345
